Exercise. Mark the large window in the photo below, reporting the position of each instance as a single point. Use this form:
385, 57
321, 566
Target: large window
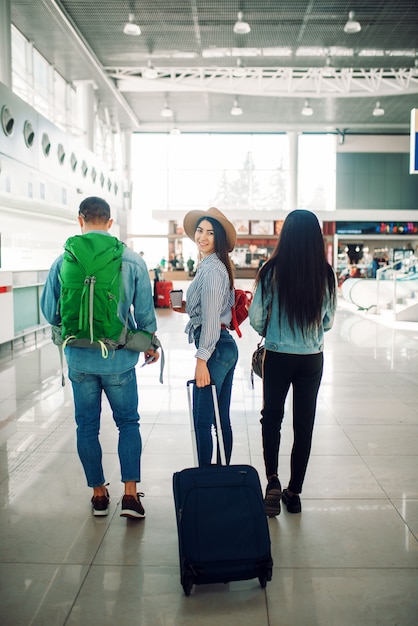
246, 175
233, 172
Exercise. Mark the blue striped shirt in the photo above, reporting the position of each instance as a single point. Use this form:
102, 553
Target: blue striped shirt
208, 304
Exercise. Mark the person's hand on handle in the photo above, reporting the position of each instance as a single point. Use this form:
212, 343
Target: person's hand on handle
202, 374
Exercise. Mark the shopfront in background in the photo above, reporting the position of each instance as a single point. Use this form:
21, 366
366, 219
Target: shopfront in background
361, 248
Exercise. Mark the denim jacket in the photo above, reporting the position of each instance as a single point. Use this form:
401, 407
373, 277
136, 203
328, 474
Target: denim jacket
137, 292
279, 335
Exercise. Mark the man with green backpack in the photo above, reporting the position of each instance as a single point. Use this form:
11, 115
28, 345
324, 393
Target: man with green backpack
98, 298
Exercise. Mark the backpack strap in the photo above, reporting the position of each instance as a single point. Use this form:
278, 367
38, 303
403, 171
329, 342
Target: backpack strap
234, 321
141, 341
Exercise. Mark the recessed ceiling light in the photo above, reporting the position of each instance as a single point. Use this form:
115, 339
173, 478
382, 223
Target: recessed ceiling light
307, 110
239, 71
166, 111
378, 110
241, 27
236, 109
131, 28
352, 26
150, 72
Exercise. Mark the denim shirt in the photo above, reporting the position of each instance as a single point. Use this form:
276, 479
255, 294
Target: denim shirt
137, 292
280, 337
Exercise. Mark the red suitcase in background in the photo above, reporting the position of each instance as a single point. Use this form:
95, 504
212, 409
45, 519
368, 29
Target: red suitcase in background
162, 293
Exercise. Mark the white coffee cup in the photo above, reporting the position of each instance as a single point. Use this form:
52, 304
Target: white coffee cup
176, 296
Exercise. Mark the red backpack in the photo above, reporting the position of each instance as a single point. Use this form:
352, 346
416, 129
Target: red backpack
239, 311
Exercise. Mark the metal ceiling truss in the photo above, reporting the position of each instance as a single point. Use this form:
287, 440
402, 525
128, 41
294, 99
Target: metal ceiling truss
285, 81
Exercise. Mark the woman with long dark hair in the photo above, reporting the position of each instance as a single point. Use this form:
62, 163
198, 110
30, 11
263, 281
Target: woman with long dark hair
294, 304
208, 304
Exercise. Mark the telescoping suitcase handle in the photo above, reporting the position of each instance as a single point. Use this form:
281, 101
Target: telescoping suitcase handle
217, 424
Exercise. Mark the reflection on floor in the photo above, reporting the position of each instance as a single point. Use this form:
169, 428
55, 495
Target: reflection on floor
350, 558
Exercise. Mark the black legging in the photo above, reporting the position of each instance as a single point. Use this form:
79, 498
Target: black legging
304, 372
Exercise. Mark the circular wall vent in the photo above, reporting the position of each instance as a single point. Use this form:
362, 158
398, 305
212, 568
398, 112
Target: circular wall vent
116, 189
46, 144
109, 184
93, 175
7, 121
73, 161
102, 179
61, 154
84, 168
28, 134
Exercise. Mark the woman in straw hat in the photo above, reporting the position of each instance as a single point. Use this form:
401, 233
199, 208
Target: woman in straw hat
209, 301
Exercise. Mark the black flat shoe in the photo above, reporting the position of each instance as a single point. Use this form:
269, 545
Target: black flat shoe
272, 498
292, 502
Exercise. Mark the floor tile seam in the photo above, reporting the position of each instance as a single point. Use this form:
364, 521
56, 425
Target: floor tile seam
344, 427
151, 426
18, 353
324, 498
354, 568
37, 451
374, 475
414, 533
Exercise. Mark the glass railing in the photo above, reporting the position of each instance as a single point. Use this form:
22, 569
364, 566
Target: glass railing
397, 273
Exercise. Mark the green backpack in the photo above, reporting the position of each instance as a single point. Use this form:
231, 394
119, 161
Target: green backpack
91, 289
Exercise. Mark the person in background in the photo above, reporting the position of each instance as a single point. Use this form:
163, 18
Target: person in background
190, 266
90, 374
210, 297
294, 304
181, 263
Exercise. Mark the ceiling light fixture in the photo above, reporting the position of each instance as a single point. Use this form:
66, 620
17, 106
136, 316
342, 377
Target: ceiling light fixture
328, 70
150, 72
239, 71
352, 26
236, 109
378, 110
241, 27
131, 28
307, 110
166, 112
175, 131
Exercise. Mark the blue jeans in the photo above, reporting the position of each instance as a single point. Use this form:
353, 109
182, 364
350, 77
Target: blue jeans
122, 392
221, 367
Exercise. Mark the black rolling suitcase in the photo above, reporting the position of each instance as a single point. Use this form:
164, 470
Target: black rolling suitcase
222, 525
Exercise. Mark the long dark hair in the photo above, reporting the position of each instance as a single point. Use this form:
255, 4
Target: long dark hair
221, 246
298, 272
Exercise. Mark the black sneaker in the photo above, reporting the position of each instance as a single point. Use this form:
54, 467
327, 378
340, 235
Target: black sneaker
272, 499
132, 507
292, 502
100, 505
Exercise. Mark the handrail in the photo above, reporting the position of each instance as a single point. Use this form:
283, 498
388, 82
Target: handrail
406, 264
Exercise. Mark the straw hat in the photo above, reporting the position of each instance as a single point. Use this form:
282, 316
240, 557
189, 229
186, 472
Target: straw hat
192, 217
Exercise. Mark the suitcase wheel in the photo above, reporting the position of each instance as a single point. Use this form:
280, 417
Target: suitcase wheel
187, 583
265, 577
263, 581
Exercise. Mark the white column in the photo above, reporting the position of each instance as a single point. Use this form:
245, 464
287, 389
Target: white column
5, 44
86, 99
293, 169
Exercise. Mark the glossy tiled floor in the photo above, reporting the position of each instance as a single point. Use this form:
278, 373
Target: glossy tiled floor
350, 558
